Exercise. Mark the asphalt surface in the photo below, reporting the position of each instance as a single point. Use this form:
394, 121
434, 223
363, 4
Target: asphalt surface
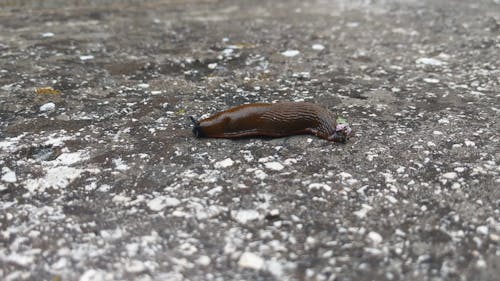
101, 178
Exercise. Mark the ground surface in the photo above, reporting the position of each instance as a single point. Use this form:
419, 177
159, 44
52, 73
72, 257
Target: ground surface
104, 181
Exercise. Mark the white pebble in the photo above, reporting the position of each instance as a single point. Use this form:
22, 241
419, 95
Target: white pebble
327, 254
318, 186
483, 229
259, 174
429, 61
143, 85
374, 237
265, 159
481, 263
431, 80
275, 268
92, 275
132, 249
251, 260
290, 161
274, 212
373, 251
370, 157
135, 266
391, 199
88, 57
310, 240
400, 233
228, 162
8, 175
60, 264
494, 237
245, 216
227, 52
212, 65
203, 261
363, 211
290, 53
444, 121
48, 107
318, 47
450, 175
343, 176
120, 164
275, 166
159, 203
469, 143
48, 34
476, 93
20, 259
105, 188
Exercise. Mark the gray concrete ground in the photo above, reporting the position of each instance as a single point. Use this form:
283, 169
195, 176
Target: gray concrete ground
101, 178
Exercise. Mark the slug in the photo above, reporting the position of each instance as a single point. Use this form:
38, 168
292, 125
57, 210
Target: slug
274, 120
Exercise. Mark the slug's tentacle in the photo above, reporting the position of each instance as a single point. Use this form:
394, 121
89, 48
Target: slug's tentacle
197, 130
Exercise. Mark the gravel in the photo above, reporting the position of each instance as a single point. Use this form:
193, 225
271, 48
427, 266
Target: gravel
102, 179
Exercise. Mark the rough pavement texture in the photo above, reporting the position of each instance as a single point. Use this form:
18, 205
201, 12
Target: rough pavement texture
104, 181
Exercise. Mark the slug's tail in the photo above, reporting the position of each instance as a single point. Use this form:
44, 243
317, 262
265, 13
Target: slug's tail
197, 130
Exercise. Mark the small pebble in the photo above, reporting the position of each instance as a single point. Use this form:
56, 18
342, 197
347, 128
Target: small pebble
203, 261
318, 47
450, 175
494, 237
319, 186
47, 34
159, 203
274, 212
431, 80
245, 216
469, 143
88, 57
275, 166
483, 229
136, 266
8, 175
374, 237
251, 260
290, 53
50, 106
391, 199
228, 162
363, 211
429, 61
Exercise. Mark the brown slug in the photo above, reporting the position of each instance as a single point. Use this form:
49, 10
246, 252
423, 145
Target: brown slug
274, 120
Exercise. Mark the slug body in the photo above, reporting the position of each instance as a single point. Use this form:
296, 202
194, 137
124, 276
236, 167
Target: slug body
273, 120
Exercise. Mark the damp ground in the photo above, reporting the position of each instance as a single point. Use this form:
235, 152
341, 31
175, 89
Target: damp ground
102, 179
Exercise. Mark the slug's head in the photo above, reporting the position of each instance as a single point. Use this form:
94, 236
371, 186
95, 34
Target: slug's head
197, 131
342, 131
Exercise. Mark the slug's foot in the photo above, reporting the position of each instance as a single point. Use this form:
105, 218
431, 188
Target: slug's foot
338, 137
